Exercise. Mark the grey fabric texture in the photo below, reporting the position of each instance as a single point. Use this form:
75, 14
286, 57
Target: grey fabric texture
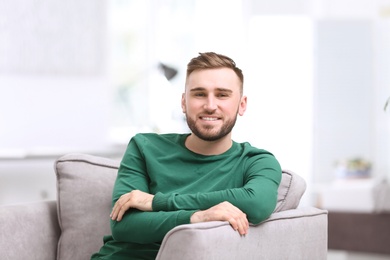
292, 234
84, 184
83, 206
29, 231
84, 201
291, 189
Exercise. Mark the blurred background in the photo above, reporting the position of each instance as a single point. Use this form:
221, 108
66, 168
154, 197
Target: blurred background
85, 76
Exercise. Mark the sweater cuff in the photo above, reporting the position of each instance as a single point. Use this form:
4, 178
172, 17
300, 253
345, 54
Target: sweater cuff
160, 202
184, 217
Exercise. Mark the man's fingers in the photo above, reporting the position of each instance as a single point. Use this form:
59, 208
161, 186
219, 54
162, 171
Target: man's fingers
239, 225
120, 214
243, 227
238, 220
244, 224
224, 211
119, 210
120, 207
134, 199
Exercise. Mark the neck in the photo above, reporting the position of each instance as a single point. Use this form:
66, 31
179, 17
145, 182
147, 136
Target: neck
199, 146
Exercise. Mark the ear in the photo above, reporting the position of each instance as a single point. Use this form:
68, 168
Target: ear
242, 106
183, 102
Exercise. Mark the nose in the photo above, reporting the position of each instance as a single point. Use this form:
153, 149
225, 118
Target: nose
211, 103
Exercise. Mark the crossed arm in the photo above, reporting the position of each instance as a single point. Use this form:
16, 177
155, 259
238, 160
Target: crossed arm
142, 217
223, 211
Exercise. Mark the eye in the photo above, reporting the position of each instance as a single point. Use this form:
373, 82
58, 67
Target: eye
199, 94
222, 95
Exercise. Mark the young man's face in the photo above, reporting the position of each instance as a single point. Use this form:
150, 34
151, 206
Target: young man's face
212, 101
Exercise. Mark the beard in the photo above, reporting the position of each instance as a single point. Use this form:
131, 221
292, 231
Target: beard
210, 133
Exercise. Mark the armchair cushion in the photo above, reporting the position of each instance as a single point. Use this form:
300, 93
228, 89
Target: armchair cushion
26, 228
85, 183
291, 189
84, 190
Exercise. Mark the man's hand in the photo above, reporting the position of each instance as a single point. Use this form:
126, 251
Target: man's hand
135, 199
224, 211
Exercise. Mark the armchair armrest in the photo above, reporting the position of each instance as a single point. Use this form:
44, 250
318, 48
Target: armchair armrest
29, 231
292, 234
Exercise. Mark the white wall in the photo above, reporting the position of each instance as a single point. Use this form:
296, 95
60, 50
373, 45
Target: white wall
350, 80
54, 91
352, 83
381, 69
40, 113
344, 92
62, 103
278, 82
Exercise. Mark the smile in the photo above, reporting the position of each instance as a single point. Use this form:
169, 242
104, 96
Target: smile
209, 118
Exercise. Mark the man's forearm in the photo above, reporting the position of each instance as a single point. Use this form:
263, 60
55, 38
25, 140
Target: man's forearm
147, 227
256, 202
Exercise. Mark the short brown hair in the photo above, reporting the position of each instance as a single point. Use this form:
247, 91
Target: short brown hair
212, 60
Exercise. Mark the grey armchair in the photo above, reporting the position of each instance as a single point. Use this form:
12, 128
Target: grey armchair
73, 226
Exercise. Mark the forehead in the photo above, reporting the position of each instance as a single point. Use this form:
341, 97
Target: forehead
213, 79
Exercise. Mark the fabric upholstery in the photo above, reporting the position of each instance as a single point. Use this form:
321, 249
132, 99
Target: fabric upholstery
292, 234
84, 201
24, 228
84, 184
291, 189
73, 226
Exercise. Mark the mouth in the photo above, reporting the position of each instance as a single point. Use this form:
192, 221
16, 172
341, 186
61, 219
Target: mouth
209, 119
206, 118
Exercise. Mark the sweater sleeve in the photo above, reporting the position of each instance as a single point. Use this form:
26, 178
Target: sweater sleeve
257, 198
138, 226
147, 227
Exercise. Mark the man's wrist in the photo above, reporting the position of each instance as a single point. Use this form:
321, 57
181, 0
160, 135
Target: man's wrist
196, 217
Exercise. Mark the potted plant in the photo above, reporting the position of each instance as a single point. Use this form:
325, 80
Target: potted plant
353, 168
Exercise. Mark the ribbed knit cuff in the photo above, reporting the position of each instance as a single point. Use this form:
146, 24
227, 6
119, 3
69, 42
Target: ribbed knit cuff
184, 217
160, 202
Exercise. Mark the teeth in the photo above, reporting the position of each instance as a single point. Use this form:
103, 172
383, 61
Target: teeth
209, 118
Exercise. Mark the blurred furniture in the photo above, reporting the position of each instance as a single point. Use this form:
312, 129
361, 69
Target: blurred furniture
359, 232
365, 195
73, 226
359, 214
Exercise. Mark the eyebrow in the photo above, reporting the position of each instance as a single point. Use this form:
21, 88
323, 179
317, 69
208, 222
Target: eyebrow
218, 89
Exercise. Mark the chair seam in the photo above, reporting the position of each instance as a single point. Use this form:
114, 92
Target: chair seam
87, 161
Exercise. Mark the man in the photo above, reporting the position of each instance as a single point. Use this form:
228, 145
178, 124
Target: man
172, 179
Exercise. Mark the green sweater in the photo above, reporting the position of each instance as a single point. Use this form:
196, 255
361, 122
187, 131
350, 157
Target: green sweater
184, 182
